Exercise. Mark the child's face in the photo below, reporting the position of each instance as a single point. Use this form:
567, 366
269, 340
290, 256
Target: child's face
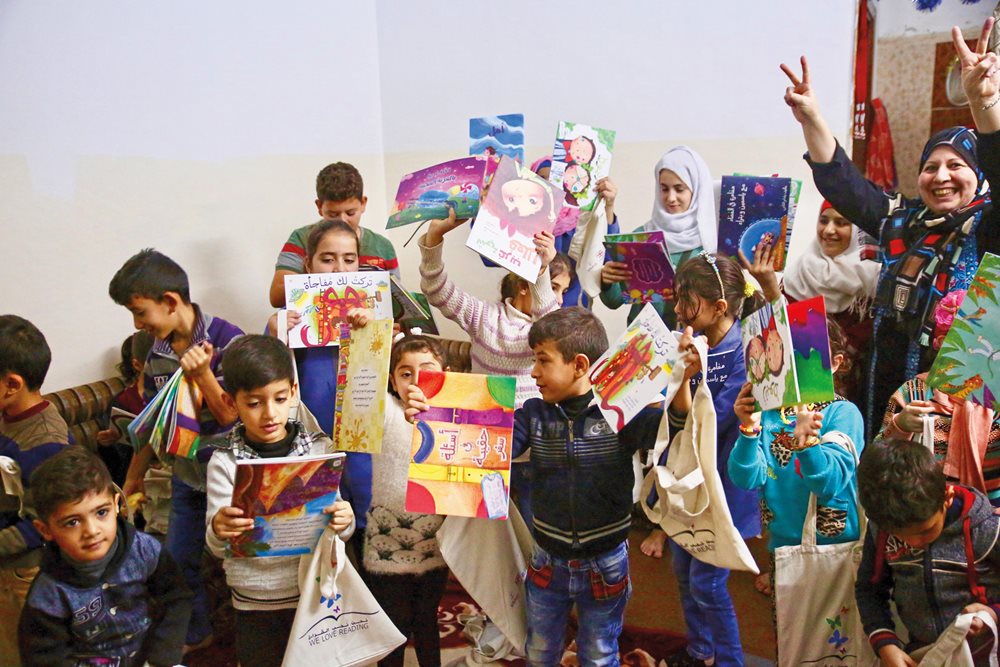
560, 284
556, 378
920, 535
695, 311
348, 210
675, 195
524, 196
581, 150
264, 411
834, 232
84, 530
337, 252
157, 318
405, 372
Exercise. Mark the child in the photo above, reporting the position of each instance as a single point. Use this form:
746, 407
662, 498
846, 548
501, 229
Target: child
261, 389
932, 547
404, 567
31, 430
582, 491
117, 456
339, 195
106, 594
155, 290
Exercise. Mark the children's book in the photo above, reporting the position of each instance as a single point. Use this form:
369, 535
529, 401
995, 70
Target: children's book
429, 193
754, 210
120, 420
633, 372
426, 325
964, 366
581, 157
169, 422
362, 379
498, 135
285, 497
461, 450
518, 205
324, 300
404, 305
637, 237
652, 275
787, 352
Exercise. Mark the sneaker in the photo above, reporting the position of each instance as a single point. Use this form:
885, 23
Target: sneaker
684, 659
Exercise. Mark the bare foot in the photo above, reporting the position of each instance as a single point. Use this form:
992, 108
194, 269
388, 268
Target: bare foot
653, 544
762, 582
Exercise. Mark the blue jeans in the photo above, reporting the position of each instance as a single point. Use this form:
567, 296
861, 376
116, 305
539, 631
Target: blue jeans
708, 610
185, 544
599, 587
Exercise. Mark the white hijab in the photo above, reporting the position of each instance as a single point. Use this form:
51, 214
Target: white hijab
845, 280
698, 226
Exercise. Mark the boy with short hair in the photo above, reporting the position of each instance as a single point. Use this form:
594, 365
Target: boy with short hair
31, 431
260, 381
106, 593
919, 534
155, 290
339, 195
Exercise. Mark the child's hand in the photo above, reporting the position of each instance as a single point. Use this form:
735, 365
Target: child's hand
108, 436
436, 229
608, 191
807, 425
689, 353
911, 418
197, 361
545, 246
977, 623
745, 407
893, 656
615, 272
132, 486
228, 524
799, 96
294, 318
359, 317
762, 269
414, 402
341, 516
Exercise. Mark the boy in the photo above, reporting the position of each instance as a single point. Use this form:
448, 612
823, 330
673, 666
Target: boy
581, 492
920, 532
339, 195
31, 431
155, 290
106, 594
261, 389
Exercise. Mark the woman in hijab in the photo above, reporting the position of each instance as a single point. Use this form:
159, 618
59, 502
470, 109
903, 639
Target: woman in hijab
684, 210
931, 244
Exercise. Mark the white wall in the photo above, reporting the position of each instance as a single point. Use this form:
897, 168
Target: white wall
898, 18
199, 127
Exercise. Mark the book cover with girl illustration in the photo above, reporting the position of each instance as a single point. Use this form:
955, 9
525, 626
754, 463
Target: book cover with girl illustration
754, 210
498, 135
968, 363
285, 497
461, 449
633, 372
518, 204
325, 299
427, 194
581, 156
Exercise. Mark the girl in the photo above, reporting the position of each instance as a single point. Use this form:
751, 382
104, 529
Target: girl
711, 294
404, 567
780, 453
684, 210
930, 244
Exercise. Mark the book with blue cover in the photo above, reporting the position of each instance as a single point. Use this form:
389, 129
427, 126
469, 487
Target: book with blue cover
756, 209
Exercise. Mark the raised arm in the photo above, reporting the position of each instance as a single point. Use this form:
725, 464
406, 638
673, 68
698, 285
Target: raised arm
980, 78
802, 100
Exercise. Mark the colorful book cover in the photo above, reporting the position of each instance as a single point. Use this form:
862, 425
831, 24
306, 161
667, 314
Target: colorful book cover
426, 325
964, 364
404, 305
811, 350
652, 275
362, 378
581, 156
169, 422
767, 348
324, 300
755, 209
429, 193
637, 237
461, 450
285, 497
498, 135
633, 372
518, 204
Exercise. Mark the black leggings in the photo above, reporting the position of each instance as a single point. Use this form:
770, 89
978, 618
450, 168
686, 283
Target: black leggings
411, 602
262, 636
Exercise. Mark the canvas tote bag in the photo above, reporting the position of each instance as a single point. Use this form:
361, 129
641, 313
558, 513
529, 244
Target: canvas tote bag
691, 503
587, 248
338, 623
817, 614
951, 649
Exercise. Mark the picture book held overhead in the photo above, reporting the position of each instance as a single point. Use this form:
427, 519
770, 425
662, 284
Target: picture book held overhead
498, 135
428, 194
581, 156
755, 210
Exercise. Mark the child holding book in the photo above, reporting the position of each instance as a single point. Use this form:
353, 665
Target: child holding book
260, 388
404, 567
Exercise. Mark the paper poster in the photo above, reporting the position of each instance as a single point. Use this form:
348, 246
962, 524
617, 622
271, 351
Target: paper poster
324, 300
285, 497
498, 135
581, 156
519, 204
429, 193
811, 350
461, 450
652, 278
362, 378
767, 348
964, 367
752, 210
633, 372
